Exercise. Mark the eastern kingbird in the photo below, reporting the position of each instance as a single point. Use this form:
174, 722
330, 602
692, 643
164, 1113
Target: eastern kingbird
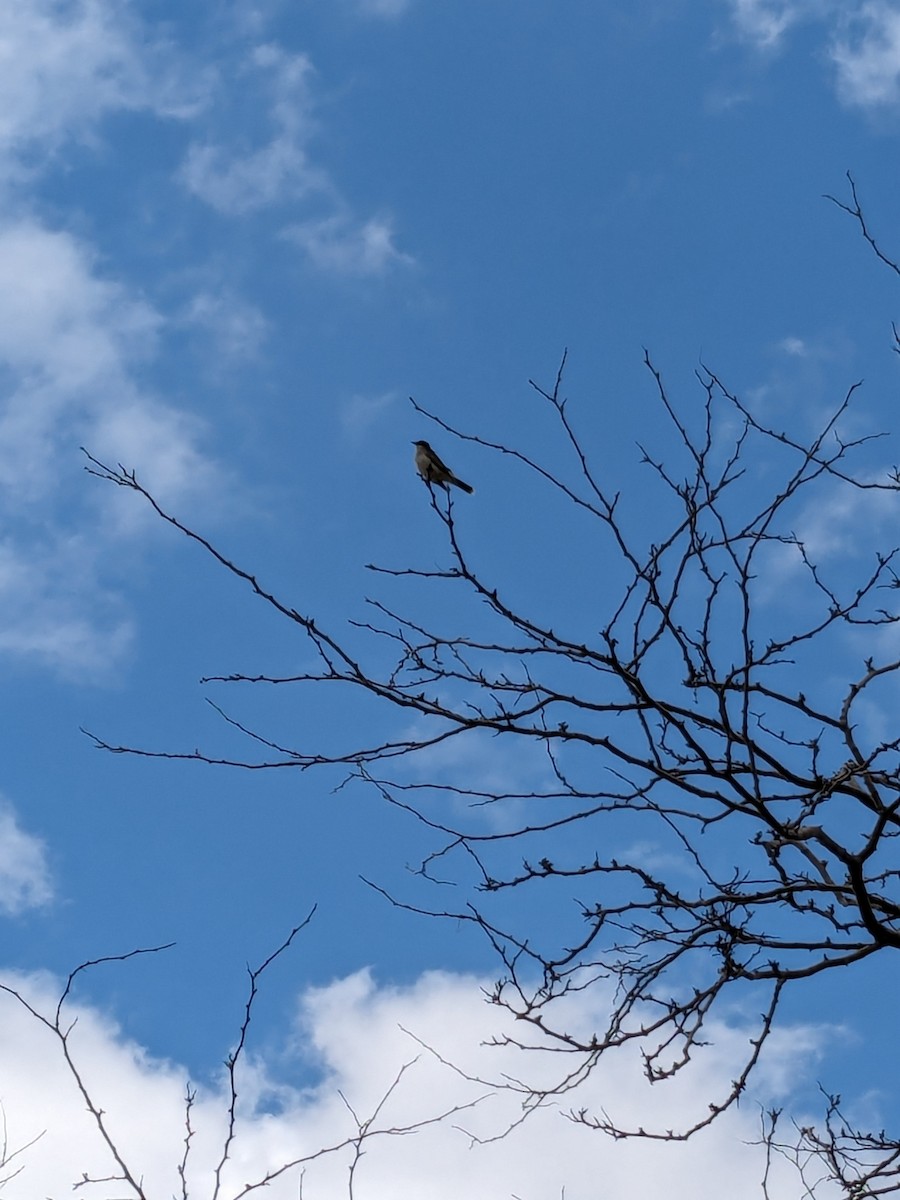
433, 470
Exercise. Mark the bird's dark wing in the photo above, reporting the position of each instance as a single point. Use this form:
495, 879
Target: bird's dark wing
441, 466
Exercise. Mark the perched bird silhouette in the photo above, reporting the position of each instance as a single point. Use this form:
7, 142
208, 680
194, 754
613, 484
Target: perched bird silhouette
433, 470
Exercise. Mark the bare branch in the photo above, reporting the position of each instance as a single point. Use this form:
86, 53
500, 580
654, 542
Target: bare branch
234, 1057
62, 1032
688, 717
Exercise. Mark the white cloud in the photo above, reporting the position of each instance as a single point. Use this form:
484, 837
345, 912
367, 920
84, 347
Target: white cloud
353, 1032
25, 880
500, 769
360, 413
339, 244
236, 181
863, 38
383, 8
64, 64
868, 60
158, 441
846, 523
73, 338
794, 346
817, 351
52, 610
765, 22
58, 321
236, 328
70, 344
840, 525
235, 185
60, 69
70, 341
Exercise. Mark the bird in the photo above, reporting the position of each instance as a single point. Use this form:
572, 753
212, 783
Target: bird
433, 470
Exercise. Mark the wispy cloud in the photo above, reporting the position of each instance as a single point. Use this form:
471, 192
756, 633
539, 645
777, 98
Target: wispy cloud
53, 610
383, 8
794, 346
867, 57
862, 40
70, 342
765, 22
65, 66
840, 526
25, 880
340, 244
236, 328
71, 347
360, 413
237, 179
238, 173
834, 524
75, 341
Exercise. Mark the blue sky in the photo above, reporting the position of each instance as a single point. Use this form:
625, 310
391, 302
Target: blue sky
234, 239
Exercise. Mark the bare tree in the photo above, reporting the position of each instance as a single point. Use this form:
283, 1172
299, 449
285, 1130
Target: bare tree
695, 717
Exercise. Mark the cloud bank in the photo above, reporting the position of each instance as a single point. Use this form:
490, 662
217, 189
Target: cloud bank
375, 1055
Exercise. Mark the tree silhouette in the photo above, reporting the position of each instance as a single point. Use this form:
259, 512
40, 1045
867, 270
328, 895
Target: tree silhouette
715, 803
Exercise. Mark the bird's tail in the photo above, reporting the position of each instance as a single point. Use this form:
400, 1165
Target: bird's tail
466, 487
